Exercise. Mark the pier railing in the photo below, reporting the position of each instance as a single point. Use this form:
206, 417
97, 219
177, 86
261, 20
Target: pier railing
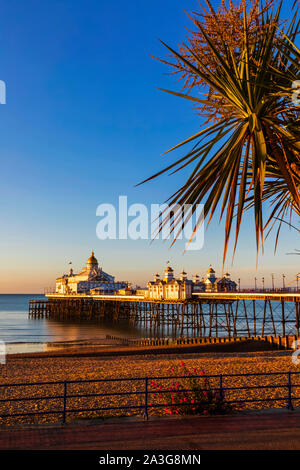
70, 398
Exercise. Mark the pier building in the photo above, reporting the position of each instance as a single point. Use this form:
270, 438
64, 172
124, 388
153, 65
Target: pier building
214, 284
169, 287
208, 307
183, 288
91, 278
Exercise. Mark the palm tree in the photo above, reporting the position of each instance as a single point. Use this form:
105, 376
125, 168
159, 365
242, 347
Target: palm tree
249, 154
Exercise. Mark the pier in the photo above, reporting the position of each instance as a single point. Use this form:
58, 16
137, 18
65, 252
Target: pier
203, 315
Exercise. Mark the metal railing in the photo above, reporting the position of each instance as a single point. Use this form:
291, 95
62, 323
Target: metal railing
144, 406
276, 290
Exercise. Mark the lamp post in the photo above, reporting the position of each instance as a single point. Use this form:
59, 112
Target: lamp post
255, 283
297, 281
263, 283
283, 281
273, 286
239, 281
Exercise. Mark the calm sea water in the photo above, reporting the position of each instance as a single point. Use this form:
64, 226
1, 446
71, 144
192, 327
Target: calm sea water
17, 330
16, 327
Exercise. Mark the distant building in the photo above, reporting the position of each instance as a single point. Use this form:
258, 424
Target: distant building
142, 292
173, 288
170, 287
92, 278
198, 286
225, 284
214, 284
126, 291
210, 281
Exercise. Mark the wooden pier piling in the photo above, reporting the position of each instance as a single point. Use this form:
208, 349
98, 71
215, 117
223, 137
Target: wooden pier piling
211, 315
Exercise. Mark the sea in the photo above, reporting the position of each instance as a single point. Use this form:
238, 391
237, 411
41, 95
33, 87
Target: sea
19, 333
22, 334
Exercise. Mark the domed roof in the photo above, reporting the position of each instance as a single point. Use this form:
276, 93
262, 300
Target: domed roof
92, 259
168, 270
210, 271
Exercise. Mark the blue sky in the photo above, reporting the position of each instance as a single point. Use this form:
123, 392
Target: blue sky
83, 123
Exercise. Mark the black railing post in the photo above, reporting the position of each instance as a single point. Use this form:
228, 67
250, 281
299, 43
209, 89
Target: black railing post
290, 403
146, 417
65, 402
221, 388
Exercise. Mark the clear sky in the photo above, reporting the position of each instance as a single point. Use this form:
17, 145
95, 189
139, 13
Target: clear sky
83, 123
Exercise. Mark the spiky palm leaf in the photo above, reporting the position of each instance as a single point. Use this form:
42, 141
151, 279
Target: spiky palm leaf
238, 154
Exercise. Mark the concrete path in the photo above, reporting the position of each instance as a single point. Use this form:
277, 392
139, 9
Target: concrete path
275, 430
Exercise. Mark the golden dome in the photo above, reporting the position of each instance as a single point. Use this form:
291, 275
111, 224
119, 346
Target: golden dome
168, 270
92, 259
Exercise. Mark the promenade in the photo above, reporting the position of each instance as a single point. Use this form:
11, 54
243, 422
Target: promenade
273, 430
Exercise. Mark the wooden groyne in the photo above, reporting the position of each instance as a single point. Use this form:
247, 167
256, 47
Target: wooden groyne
279, 342
205, 315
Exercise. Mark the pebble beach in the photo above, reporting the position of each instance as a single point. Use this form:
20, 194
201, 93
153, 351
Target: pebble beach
50, 369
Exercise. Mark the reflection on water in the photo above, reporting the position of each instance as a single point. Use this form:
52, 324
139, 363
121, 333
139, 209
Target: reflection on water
86, 330
18, 329
22, 334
